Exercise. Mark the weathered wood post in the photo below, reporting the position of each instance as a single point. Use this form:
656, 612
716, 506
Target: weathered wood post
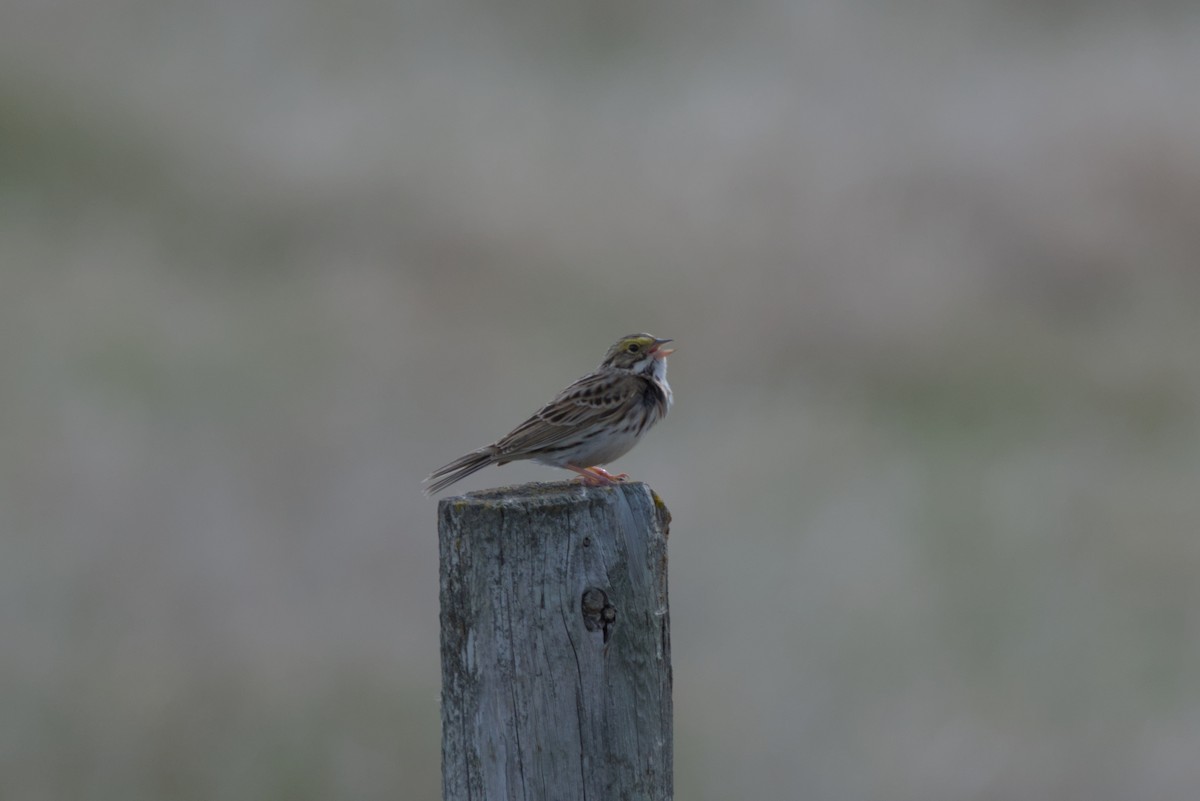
556, 647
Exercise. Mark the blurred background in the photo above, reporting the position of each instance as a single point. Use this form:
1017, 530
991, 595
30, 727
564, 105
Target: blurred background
933, 270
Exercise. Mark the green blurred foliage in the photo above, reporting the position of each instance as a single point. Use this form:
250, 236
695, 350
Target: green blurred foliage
934, 460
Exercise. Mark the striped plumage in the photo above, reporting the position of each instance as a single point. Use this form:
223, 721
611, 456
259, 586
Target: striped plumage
590, 423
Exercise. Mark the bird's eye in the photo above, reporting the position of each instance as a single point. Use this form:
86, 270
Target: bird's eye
633, 348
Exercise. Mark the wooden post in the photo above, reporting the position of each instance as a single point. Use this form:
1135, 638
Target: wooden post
556, 647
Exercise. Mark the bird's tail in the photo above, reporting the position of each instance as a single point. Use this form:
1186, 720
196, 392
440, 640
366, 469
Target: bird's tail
460, 468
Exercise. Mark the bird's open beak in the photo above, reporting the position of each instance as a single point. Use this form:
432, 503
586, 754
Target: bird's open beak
658, 351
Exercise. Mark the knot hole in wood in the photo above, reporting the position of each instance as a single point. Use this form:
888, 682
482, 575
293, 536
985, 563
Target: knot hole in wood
598, 613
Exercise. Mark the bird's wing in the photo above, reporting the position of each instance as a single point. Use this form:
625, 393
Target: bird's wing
593, 400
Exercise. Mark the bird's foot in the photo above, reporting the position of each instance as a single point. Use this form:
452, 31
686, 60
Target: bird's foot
600, 471
596, 476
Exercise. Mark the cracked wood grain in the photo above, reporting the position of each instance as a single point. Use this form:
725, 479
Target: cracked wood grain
556, 664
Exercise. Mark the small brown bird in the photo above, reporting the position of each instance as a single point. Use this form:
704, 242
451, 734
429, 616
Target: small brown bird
590, 423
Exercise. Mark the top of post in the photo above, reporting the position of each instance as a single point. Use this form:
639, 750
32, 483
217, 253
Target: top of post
548, 494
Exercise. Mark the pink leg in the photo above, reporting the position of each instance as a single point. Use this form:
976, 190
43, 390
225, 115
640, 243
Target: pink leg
618, 477
593, 476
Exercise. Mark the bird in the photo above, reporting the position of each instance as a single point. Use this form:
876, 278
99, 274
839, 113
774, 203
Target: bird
592, 422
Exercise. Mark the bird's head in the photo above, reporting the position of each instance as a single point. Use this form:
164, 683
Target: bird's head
641, 353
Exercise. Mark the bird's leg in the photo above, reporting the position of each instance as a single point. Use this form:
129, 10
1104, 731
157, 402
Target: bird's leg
592, 476
600, 471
